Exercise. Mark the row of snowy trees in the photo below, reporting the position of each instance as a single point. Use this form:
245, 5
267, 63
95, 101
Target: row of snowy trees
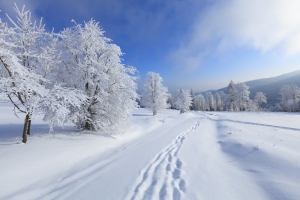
237, 99
155, 97
76, 74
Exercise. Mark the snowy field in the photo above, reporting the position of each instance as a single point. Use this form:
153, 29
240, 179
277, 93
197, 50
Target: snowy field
197, 155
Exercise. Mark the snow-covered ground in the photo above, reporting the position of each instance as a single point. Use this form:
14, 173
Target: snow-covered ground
197, 155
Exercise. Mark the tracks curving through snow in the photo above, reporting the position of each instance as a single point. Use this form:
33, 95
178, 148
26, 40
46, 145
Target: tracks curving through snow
250, 123
163, 177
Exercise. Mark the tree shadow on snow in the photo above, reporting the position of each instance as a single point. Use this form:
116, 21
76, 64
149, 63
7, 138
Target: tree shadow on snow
13, 132
142, 114
236, 150
243, 156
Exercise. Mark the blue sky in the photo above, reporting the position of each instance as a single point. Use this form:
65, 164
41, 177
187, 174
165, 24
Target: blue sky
198, 44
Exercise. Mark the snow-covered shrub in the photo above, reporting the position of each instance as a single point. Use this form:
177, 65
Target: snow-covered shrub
290, 98
259, 99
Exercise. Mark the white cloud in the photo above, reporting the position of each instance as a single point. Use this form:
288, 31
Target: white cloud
260, 24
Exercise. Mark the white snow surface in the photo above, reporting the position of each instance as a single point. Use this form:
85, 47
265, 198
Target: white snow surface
195, 155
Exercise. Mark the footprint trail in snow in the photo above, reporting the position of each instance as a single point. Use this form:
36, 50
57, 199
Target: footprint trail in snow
162, 177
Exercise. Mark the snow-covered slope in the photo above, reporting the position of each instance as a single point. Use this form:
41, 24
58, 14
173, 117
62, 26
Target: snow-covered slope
169, 156
271, 86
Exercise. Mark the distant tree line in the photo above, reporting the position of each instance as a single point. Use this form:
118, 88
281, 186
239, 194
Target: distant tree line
237, 99
156, 97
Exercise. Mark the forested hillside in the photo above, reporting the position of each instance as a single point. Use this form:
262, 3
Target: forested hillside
271, 86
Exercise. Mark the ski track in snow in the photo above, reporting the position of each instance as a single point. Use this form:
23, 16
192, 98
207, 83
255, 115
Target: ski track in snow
162, 178
250, 123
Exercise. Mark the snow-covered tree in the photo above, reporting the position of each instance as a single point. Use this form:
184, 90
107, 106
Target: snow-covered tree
290, 98
259, 99
223, 98
199, 102
242, 96
218, 101
252, 106
171, 101
232, 96
92, 64
238, 96
277, 107
183, 100
210, 102
155, 95
193, 103
28, 59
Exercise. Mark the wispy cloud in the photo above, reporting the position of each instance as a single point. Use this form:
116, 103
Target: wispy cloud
260, 24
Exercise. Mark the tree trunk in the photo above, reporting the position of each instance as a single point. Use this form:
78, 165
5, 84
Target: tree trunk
154, 112
87, 126
29, 125
25, 129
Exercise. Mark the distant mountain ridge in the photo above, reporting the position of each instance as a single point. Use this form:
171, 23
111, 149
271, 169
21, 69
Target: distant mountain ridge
271, 86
